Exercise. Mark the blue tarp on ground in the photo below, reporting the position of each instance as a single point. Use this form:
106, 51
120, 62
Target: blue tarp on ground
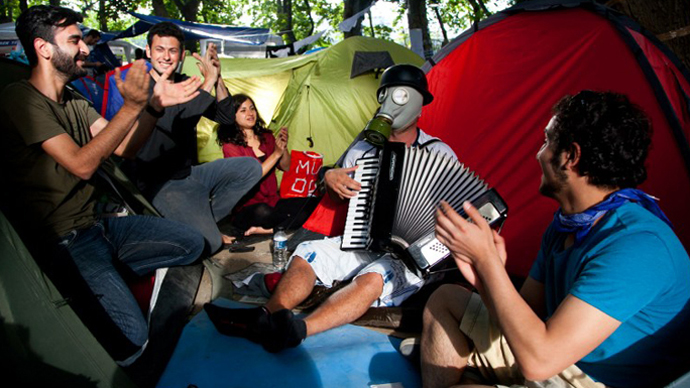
348, 356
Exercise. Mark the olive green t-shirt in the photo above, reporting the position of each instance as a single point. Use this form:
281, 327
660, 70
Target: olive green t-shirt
43, 198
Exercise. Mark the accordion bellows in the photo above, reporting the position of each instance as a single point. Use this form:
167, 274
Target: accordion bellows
427, 178
401, 190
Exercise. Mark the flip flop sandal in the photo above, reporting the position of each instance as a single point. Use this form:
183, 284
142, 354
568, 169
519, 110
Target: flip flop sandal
237, 247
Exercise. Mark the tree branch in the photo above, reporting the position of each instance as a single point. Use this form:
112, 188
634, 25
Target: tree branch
371, 24
674, 34
440, 23
311, 20
88, 6
486, 11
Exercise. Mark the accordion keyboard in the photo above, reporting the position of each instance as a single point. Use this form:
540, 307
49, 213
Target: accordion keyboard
358, 211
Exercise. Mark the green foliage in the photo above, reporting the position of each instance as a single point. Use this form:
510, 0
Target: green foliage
327, 16
221, 11
122, 22
329, 13
456, 15
115, 12
264, 14
380, 31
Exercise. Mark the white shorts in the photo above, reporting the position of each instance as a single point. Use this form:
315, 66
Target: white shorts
330, 263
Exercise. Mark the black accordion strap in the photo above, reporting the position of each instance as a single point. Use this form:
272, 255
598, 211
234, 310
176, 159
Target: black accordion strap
430, 142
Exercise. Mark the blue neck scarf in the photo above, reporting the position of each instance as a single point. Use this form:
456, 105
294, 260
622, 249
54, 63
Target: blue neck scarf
581, 223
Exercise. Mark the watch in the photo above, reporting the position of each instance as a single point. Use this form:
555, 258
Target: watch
150, 110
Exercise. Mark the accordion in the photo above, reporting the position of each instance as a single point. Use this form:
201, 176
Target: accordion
401, 190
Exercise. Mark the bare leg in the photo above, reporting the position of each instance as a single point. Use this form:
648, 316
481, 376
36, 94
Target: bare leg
444, 348
294, 286
227, 239
257, 230
346, 305
343, 307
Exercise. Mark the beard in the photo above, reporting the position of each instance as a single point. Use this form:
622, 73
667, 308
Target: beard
551, 186
67, 66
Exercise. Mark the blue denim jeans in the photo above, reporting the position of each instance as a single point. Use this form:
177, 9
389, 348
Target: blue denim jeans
208, 195
112, 249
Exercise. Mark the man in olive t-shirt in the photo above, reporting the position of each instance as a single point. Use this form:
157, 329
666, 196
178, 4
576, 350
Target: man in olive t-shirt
51, 144
52, 200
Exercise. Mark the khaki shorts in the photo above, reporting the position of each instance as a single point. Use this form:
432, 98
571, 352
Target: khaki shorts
495, 361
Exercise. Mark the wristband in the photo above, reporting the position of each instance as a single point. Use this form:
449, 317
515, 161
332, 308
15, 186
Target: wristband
321, 174
150, 110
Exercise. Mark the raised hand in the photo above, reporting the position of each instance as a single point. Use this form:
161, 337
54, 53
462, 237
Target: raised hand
338, 180
209, 66
166, 93
468, 242
135, 89
212, 52
281, 140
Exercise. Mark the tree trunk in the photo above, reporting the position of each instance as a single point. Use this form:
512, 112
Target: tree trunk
371, 24
23, 6
159, 9
351, 7
5, 11
188, 9
416, 18
668, 19
284, 13
102, 16
311, 20
55, 3
479, 10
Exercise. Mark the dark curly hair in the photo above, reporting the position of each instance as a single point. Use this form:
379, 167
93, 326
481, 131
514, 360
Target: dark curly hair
41, 21
232, 133
614, 137
164, 29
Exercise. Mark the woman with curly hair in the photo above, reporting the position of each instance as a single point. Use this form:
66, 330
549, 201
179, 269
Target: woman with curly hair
261, 209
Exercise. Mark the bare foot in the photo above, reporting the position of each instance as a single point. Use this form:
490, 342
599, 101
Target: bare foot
257, 230
228, 239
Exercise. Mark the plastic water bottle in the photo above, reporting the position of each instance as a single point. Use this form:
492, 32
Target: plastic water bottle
280, 249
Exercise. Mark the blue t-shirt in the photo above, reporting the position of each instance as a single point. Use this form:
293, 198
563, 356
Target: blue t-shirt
632, 267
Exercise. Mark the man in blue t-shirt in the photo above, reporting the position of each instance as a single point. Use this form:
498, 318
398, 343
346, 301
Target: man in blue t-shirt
607, 302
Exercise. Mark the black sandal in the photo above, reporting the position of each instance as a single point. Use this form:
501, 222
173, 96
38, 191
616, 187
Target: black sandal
236, 247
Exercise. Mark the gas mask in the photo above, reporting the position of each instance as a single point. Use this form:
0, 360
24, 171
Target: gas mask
400, 106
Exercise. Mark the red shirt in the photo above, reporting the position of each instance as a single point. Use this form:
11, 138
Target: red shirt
267, 189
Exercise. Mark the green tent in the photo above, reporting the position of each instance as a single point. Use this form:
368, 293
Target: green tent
43, 341
324, 98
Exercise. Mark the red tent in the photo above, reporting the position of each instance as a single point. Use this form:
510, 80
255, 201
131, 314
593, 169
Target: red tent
495, 84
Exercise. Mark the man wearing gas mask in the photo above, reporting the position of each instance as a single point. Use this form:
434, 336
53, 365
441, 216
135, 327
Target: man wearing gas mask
378, 279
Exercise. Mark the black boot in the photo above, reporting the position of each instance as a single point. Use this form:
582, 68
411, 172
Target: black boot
285, 331
248, 323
